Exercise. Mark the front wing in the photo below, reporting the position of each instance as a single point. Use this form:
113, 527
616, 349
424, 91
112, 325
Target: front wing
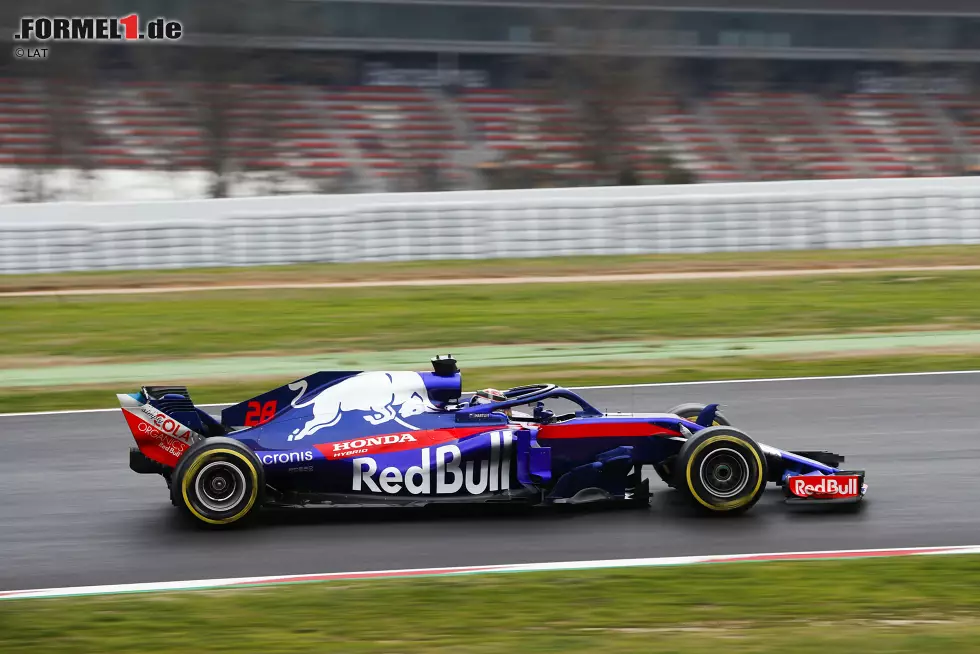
807, 480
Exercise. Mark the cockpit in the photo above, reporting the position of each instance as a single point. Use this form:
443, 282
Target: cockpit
538, 403
535, 403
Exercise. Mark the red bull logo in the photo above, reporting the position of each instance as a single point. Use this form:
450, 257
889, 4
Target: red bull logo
827, 487
443, 474
379, 396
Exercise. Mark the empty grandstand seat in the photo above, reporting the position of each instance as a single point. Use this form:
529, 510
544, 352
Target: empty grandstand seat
777, 135
892, 134
315, 131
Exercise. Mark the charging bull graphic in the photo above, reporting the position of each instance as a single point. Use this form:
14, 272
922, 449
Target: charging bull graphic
385, 396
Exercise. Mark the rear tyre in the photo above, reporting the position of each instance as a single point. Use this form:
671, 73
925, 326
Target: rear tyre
218, 482
722, 470
692, 410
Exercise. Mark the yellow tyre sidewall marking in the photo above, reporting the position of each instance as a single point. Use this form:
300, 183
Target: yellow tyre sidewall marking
192, 470
736, 503
694, 419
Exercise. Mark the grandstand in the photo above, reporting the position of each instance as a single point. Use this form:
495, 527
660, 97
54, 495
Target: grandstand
483, 116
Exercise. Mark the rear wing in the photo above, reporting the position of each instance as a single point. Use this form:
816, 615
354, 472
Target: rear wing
157, 426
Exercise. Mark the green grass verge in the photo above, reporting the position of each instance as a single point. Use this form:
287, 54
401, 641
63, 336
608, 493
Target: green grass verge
917, 605
591, 374
379, 319
581, 265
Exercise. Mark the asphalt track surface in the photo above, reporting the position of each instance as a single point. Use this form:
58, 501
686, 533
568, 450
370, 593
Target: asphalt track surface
72, 513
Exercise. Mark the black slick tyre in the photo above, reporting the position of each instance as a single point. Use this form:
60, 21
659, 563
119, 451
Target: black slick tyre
218, 482
722, 470
692, 410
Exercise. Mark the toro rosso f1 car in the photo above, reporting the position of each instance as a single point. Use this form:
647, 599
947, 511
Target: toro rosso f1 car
410, 438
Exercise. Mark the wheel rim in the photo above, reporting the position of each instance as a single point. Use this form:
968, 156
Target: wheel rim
220, 486
724, 472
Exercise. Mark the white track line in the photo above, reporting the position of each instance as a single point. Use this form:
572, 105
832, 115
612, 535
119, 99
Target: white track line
202, 584
494, 281
67, 412
782, 379
883, 375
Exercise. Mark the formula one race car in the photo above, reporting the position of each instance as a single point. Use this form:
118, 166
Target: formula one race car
409, 438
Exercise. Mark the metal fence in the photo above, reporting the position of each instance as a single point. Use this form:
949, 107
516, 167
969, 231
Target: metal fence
489, 224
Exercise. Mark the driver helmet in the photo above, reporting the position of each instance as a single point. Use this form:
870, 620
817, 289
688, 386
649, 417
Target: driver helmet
493, 395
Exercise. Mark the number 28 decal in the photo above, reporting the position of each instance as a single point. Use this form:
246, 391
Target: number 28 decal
259, 414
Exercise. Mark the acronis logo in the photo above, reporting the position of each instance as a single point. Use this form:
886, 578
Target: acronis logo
271, 458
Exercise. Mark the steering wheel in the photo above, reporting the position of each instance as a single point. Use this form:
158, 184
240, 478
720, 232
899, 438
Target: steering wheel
519, 392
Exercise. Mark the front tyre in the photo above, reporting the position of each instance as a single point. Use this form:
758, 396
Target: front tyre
218, 482
722, 470
689, 411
